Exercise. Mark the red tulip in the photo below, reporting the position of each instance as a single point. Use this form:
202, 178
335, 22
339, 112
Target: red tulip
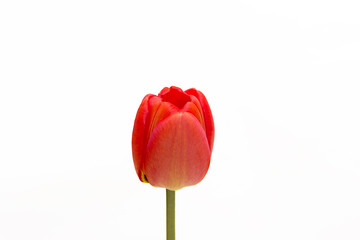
173, 138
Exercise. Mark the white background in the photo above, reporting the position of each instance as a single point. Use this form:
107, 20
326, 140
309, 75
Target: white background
282, 79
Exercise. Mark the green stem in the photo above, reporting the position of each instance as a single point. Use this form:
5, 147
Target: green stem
170, 215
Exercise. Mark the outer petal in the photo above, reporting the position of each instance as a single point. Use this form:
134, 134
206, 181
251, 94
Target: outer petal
138, 141
158, 110
151, 111
191, 107
178, 153
209, 121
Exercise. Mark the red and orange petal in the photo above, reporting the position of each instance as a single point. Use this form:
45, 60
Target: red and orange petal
138, 143
178, 153
176, 96
209, 121
191, 107
158, 110
163, 91
152, 110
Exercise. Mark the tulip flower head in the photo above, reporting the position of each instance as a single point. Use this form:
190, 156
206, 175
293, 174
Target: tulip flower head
173, 138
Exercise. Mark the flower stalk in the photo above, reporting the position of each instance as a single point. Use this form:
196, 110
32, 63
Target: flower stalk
170, 214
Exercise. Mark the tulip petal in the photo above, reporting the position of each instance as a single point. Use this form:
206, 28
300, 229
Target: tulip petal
175, 96
191, 107
178, 153
138, 143
158, 110
209, 121
163, 91
151, 111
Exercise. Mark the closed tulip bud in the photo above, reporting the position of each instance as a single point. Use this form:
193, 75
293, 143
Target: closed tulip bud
173, 138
